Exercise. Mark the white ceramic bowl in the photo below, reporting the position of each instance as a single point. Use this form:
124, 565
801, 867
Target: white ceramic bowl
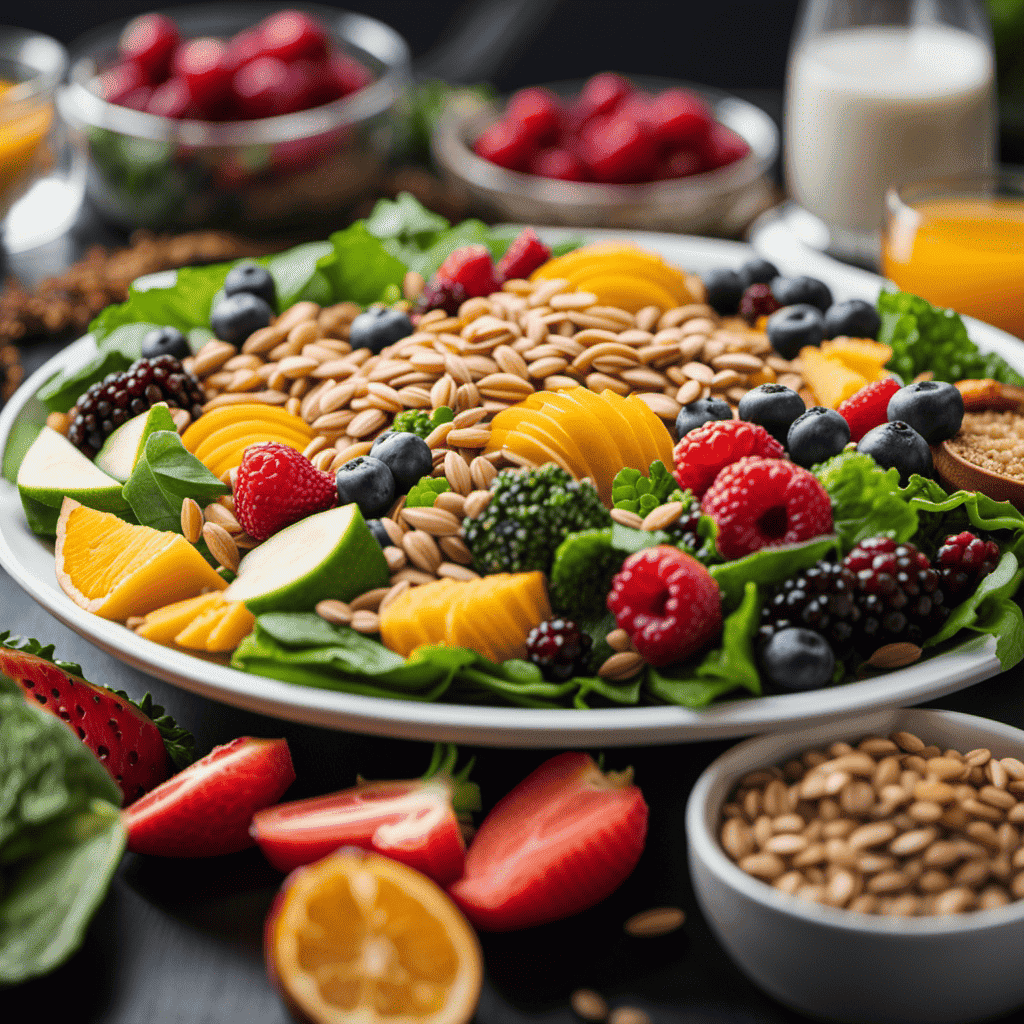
836, 964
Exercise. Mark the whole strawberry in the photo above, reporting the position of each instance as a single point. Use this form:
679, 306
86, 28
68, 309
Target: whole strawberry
667, 602
277, 486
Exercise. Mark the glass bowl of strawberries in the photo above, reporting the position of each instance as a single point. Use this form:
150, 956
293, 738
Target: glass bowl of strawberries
613, 152
244, 116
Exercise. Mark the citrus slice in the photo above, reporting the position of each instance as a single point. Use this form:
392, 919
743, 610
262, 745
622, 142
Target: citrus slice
357, 938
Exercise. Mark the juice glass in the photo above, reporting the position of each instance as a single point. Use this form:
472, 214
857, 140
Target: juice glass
959, 242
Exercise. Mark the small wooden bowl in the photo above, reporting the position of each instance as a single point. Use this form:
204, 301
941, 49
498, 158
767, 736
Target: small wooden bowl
956, 472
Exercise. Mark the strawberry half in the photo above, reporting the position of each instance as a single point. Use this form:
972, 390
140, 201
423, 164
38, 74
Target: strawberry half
137, 743
472, 267
524, 256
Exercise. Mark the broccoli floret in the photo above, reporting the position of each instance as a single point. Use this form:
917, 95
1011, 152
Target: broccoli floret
420, 423
530, 514
424, 492
641, 494
582, 574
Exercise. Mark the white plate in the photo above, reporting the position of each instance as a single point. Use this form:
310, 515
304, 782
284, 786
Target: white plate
30, 563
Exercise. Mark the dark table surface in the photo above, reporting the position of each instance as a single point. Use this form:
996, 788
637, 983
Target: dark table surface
180, 941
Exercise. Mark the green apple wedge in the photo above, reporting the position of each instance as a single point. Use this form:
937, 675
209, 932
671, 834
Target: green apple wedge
125, 446
53, 468
330, 554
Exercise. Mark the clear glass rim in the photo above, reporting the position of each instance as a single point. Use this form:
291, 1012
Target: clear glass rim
999, 181
78, 103
46, 58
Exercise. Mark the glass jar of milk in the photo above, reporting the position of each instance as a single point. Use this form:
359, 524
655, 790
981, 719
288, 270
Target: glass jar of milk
879, 93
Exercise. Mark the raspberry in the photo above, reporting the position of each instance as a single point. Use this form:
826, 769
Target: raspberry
702, 453
667, 602
756, 301
758, 503
867, 408
963, 561
437, 295
278, 486
559, 648
472, 267
524, 256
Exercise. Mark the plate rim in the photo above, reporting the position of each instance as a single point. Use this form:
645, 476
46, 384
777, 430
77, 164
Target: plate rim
486, 725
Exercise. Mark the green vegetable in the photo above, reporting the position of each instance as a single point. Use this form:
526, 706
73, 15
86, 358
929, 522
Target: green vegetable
61, 837
530, 514
926, 338
582, 572
420, 422
635, 492
424, 492
866, 499
425, 103
726, 668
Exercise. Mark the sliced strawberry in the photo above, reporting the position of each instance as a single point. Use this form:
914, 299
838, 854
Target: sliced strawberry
135, 743
537, 111
206, 810
523, 256
868, 407
472, 267
506, 144
565, 838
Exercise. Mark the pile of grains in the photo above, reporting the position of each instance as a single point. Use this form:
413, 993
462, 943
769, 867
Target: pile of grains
992, 440
890, 826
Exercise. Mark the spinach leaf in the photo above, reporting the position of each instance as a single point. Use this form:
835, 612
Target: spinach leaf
359, 267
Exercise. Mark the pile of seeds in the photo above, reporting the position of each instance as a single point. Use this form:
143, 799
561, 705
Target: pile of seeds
891, 826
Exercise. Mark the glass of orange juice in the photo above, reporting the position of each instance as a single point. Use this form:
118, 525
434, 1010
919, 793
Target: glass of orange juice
959, 243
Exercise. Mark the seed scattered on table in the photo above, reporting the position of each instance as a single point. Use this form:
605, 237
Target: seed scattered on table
654, 922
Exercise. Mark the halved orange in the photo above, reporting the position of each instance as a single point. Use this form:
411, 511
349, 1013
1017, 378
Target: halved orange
357, 937
115, 569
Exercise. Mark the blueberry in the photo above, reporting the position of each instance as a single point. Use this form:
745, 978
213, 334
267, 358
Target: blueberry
758, 272
817, 435
793, 291
367, 482
933, 408
380, 535
237, 316
379, 327
724, 290
407, 456
772, 406
791, 328
797, 659
701, 411
251, 278
898, 444
854, 318
165, 341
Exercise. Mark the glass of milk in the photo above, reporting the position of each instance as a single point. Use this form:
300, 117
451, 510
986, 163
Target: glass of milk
879, 93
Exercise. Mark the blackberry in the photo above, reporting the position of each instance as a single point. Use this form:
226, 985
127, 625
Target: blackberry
823, 599
963, 561
120, 396
899, 593
442, 296
684, 530
559, 648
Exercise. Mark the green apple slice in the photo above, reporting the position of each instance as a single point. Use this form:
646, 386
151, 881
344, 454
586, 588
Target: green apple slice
53, 468
330, 554
125, 445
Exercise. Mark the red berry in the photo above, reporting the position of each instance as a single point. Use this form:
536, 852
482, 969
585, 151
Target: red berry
203, 64
680, 163
758, 300
537, 111
262, 88
867, 408
138, 99
524, 256
637, 106
763, 502
702, 453
558, 163
680, 118
173, 99
723, 146
121, 81
277, 486
619, 150
667, 602
150, 41
472, 267
506, 144
347, 75
242, 48
292, 35
603, 93
963, 561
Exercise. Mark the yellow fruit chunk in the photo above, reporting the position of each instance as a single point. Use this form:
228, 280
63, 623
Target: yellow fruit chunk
206, 623
357, 938
628, 292
830, 380
417, 617
863, 356
229, 455
254, 431
235, 624
116, 570
162, 625
661, 439
265, 415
